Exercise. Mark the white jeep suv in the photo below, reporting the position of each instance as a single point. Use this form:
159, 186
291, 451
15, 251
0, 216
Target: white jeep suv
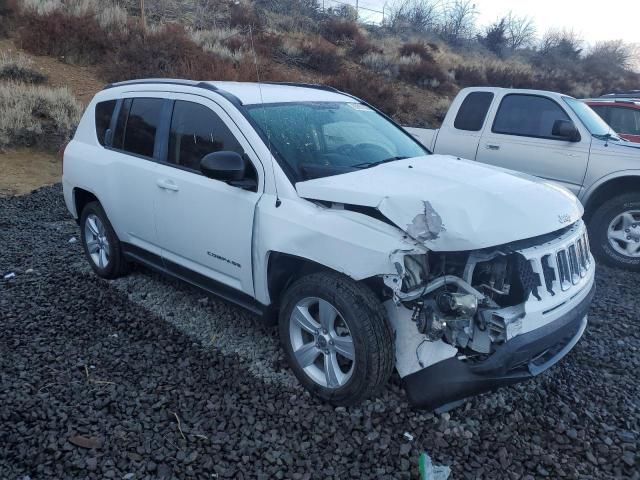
305, 204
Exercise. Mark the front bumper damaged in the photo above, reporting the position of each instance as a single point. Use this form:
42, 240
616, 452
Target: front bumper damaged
518, 359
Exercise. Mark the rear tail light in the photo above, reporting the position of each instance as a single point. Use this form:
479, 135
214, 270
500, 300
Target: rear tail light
61, 154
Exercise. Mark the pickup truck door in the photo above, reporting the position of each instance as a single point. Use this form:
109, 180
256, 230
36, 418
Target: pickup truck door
205, 226
520, 138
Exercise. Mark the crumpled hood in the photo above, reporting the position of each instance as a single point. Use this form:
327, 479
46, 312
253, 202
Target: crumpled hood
451, 204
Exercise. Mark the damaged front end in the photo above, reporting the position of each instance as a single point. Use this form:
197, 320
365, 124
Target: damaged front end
466, 322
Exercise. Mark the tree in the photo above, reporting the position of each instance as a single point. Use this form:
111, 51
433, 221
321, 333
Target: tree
520, 31
495, 38
459, 21
414, 15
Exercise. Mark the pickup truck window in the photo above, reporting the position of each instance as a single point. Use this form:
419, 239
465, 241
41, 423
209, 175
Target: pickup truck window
196, 131
473, 111
318, 139
528, 115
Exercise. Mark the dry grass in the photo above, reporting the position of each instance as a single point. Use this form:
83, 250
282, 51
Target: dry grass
19, 68
37, 116
218, 42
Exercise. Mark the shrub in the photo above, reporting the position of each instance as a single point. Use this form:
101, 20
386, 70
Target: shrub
417, 48
243, 15
507, 75
321, 55
420, 72
338, 31
470, 75
19, 69
370, 88
166, 52
76, 39
36, 116
379, 63
361, 45
218, 42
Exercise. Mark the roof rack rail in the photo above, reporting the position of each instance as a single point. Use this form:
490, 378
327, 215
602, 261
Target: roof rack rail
173, 81
164, 81
316, 86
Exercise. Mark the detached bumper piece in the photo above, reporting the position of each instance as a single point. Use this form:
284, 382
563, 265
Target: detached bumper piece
517, 360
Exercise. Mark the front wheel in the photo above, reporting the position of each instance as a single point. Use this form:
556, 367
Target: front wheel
336, 337
614, 231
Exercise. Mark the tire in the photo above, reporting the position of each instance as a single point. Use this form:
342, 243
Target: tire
113, 264
357, 308
608, 250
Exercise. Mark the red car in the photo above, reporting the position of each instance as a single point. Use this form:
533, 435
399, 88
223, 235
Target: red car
621, 112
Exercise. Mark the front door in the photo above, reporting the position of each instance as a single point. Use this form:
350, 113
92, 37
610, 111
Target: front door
521, 139
205, 226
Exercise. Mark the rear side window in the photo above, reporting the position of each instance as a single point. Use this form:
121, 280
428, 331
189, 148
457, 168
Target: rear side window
473, 111
140, 126
528, 115
196, 131
104, 111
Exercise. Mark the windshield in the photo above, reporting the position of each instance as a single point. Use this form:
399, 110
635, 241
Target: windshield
590, 119
318, 139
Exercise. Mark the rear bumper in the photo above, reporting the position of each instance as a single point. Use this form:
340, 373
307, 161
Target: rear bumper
518, 359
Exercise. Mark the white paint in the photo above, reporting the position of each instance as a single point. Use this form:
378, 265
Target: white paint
480, 206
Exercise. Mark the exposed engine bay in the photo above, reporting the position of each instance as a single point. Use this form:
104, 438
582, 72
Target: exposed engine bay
455, 296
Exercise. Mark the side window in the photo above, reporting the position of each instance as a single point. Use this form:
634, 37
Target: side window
121, 124
196, 131
104, 111
141, 126
473, 111
625, 120
528, 115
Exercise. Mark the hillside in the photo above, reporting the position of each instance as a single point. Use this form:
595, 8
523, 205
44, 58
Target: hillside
407, 68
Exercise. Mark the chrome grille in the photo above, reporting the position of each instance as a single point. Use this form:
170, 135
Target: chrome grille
561, 268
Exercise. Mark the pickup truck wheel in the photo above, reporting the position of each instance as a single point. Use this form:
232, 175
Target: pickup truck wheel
614, 231
336, 337
101, 245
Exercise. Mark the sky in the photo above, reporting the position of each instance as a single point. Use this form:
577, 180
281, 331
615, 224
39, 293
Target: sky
592, 20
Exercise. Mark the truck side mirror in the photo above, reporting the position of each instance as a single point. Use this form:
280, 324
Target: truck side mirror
226, 166
565, 129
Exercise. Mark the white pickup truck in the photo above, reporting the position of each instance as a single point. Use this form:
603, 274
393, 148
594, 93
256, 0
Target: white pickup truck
560, 139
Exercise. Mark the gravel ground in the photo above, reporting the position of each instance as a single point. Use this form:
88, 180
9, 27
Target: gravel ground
146, 378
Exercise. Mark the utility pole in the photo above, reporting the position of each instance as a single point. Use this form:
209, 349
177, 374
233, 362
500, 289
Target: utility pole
356, 10
142, 20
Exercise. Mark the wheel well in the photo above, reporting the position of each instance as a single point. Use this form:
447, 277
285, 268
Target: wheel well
284, 269
610, 189
81, 198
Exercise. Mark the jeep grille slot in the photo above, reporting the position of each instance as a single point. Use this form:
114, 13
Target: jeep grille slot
565, 266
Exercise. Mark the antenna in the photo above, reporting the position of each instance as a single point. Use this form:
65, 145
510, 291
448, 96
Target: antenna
264, 113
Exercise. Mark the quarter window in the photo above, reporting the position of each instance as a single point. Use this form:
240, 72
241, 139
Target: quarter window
473, 111
104, 111
141, 126
196, 131
528, 115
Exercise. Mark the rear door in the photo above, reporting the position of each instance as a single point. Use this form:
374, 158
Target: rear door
205, 226
461, 136
134, 150
520, 138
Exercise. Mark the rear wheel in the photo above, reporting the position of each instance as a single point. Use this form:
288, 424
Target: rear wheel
614, 232
336, 337
101, 245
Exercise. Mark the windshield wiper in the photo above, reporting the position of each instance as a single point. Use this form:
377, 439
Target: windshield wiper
379, 162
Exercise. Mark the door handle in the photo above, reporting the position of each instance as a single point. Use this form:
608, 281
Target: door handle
492, 146
167, 185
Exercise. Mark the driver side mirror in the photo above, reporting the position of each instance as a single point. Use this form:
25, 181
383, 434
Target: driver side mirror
566, 130
225, 166
229, 167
